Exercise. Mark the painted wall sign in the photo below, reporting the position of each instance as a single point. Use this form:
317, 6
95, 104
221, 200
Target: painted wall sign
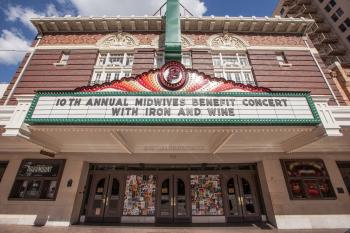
172, 108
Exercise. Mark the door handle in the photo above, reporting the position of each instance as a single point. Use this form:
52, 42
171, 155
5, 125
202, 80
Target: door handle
107, 201
172, 202
240, 200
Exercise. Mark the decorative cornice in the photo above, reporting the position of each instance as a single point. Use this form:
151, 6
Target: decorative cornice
48, 25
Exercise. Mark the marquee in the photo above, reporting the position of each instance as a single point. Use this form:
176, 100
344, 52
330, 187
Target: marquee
173, 95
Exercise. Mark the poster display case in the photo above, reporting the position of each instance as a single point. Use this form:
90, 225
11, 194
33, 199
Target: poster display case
140, 192
307, 179
37, 179
206, 195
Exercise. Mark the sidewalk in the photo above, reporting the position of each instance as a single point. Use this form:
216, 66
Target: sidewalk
140, 229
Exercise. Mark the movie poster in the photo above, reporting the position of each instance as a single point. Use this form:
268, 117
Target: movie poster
140, 192
206, 195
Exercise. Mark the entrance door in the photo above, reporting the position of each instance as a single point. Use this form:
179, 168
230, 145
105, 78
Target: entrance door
173, 199
104, 204
242, 199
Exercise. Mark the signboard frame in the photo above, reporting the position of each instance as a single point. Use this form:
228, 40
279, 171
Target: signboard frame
172, 121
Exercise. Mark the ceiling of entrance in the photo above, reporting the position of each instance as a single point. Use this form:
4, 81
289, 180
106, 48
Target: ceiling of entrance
176, 139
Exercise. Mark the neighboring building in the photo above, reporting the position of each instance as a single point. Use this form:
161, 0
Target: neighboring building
249, 128
3, 87
330, 34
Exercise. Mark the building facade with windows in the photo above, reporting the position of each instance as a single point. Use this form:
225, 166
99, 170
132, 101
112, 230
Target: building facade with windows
330, 34
207, 120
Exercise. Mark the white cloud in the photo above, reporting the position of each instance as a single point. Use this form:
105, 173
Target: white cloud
23, 14
12, 41
130, 7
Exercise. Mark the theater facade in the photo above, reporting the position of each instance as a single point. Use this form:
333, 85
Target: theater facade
168, 120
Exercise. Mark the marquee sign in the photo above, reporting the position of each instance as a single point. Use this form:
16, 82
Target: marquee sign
173, 108
173, 95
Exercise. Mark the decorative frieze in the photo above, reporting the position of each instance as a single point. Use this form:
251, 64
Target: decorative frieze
226, 41
117, 41
188, 39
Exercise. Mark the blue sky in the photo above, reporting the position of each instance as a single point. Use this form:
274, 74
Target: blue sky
16, 32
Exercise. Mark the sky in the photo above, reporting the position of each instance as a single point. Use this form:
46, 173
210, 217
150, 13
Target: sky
17, 33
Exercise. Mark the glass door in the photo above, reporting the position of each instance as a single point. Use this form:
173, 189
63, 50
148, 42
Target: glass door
113, 199
242, 199
104, 203
173, 199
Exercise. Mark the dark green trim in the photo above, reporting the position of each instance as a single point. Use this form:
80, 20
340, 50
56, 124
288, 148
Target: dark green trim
175, 121
172, 31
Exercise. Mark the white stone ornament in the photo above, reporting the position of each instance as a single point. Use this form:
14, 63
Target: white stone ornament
118, 40
227, 41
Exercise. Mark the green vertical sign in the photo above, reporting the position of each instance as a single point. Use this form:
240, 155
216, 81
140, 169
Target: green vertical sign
172, 31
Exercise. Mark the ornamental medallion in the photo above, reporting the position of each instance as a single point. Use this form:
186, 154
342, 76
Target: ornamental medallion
172, 76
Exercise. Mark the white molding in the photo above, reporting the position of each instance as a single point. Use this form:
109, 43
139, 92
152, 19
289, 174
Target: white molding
57, 223
15, 123
188, 24
329, 123
155, 46
278, 48
331, 221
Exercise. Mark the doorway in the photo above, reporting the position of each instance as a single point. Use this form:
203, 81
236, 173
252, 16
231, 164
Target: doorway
104, 203
241, 198
173, 203
173, 194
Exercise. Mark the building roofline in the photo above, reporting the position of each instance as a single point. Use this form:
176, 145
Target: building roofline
226, 24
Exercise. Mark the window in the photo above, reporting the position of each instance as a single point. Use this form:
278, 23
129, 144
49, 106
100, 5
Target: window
233, 67
282, 11
347, 22
342, 27
307, 179
282, 59
63, 59
37, 179
332, 3
335, 17
328, 8
339, 12
186, 59
3, 166
112, 66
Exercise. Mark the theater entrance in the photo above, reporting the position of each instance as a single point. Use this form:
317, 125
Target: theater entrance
105, 199
167, 194
241, 196
173, 202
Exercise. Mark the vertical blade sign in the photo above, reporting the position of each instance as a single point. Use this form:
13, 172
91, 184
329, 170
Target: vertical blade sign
172, 31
